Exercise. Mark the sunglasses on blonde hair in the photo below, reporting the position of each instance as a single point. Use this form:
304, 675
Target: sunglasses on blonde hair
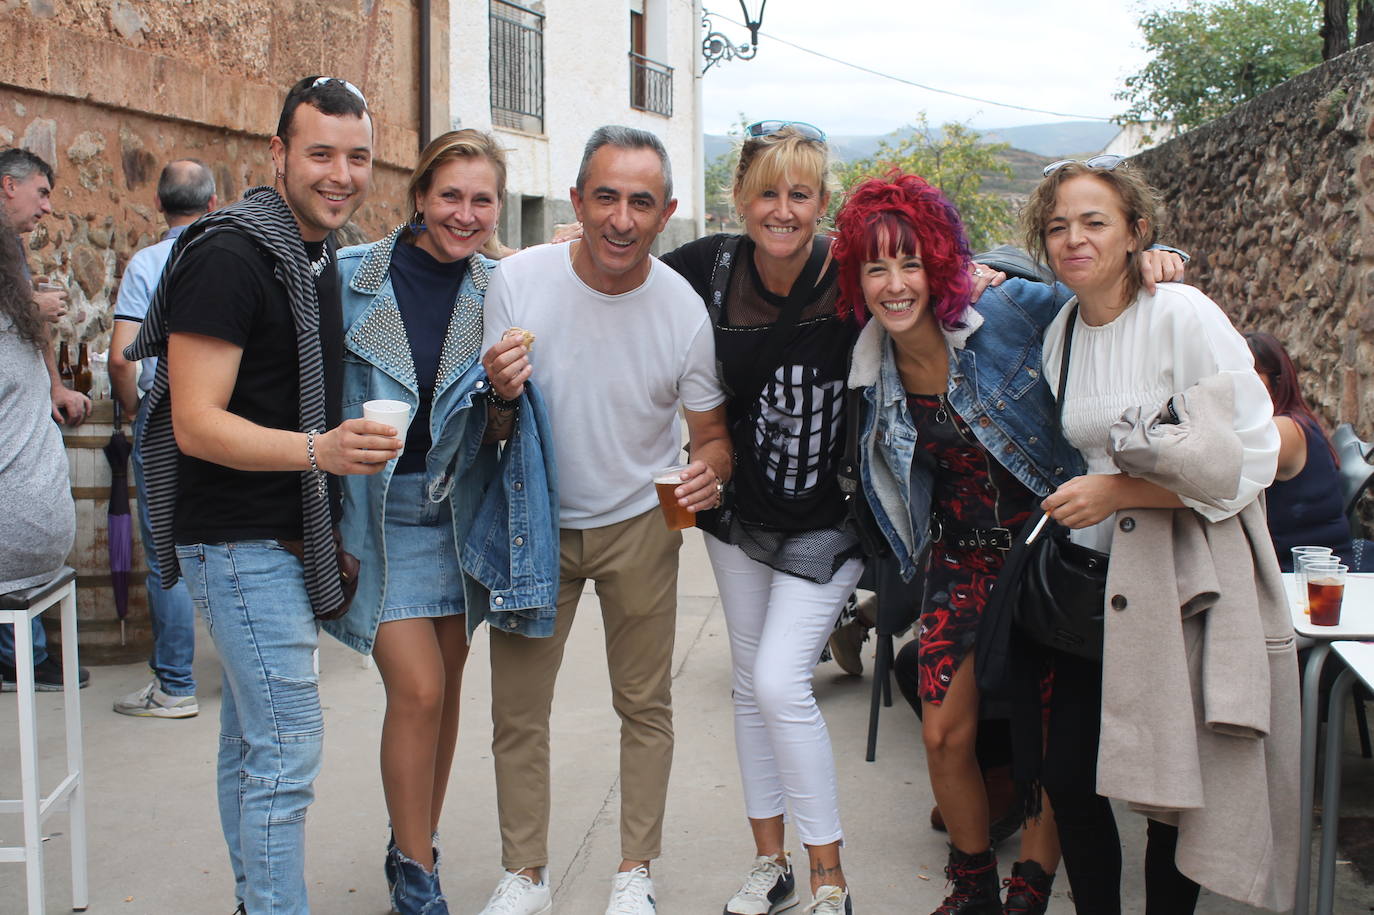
760, 129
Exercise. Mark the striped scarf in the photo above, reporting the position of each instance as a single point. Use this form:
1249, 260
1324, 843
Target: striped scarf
263, 216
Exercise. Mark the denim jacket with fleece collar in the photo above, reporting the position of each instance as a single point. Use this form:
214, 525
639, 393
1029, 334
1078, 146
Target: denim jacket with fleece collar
995, 384
488, 484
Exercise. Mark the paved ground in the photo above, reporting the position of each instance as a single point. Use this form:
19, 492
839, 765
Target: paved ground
156, 846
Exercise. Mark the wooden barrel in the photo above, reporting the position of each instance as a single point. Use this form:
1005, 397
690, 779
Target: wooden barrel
98, 629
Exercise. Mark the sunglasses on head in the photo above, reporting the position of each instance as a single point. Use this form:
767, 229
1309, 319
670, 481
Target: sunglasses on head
1106, 162
768, 128
323, 80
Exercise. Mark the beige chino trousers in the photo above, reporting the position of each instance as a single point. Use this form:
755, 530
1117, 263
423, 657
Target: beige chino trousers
633, 566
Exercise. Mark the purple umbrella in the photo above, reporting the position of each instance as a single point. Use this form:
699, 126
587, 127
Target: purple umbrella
121, 531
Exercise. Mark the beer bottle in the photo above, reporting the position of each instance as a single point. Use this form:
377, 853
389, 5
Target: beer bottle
81, 377
64, 365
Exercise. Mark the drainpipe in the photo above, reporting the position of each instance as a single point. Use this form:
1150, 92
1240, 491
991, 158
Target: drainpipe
425, 75
698, 142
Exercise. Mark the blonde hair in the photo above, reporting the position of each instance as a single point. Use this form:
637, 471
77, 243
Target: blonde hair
1138, 201
785, 154
445, 148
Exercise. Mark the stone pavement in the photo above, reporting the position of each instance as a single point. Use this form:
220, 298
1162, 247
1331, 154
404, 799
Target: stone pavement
156, 847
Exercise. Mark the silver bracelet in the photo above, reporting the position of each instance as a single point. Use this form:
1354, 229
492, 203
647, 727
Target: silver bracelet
320, 477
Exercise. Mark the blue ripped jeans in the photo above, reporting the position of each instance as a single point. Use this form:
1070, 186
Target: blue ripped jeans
252, 596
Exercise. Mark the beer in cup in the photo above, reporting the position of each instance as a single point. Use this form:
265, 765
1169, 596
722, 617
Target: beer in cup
674, 515
1325, 590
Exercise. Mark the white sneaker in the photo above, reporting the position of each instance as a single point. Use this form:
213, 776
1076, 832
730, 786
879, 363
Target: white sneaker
632, 893
830, 900
769, 888
152, 702
517, 894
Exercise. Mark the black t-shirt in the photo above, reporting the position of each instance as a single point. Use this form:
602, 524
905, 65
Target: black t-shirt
224, 287
789, 438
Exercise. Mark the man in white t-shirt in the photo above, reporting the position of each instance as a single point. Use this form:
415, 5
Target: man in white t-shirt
623, 343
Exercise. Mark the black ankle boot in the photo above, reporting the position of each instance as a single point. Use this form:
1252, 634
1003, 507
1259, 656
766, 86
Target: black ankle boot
1028, 889
974, 886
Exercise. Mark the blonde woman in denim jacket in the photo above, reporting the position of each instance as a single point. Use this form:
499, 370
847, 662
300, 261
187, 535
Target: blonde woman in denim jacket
413, 309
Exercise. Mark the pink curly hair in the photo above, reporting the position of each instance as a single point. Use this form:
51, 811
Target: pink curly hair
896, 215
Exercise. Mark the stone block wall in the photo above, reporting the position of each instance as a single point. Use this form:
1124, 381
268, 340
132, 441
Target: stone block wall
108, 91
1276, 202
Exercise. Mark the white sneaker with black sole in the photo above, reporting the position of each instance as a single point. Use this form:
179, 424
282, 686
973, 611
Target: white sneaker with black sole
632, 893
770, 887
517, 894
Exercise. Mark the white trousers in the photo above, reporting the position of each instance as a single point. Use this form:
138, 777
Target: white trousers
778, 624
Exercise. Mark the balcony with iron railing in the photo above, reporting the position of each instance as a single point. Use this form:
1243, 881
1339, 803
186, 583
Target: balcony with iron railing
651, 85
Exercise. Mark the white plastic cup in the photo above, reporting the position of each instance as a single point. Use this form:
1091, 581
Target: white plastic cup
395, 413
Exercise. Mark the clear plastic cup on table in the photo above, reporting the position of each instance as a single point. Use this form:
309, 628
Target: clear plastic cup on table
1298, 553
1325, 591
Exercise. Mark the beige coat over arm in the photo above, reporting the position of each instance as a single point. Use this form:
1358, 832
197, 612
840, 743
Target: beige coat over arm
1200, 709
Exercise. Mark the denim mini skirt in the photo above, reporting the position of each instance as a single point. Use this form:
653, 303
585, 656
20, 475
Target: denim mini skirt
423, 577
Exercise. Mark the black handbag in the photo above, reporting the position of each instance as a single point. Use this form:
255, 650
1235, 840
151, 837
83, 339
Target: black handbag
1053, 590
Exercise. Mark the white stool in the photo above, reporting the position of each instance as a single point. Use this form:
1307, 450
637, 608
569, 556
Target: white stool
18, 608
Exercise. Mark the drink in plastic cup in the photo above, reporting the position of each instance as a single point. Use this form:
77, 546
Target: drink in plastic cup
395, 413
1325, 590
51, 287
1299, 553
674, 515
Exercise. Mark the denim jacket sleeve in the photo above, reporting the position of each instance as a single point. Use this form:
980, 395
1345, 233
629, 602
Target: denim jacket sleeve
511, 550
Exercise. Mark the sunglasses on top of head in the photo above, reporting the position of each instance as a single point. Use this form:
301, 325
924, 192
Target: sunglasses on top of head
760, 129
1106, 162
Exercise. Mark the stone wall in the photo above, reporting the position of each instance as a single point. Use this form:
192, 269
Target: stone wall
1276, 202
108, 91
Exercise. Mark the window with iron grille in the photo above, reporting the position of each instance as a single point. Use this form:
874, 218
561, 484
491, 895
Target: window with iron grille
651, 85
517, 67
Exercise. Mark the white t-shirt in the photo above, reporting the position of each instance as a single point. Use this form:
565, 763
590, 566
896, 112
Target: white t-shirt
1161, 345
613, 370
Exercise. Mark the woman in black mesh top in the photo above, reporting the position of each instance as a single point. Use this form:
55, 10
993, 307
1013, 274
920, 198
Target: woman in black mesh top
783, 561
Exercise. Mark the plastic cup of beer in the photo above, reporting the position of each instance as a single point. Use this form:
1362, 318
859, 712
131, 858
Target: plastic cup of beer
1300, 554
674, 515
395, 413
1325, 590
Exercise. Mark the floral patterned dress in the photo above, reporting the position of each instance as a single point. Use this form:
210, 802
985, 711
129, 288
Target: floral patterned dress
970, 489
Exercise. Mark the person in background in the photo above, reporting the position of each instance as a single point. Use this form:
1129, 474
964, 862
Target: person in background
1304, 505
37, 515
185, 192
412, 310
25, 192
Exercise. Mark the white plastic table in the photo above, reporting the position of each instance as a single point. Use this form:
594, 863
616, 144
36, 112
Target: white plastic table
1357, 622
1358, 658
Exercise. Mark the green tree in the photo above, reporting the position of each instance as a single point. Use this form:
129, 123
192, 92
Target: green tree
956, 160
718, 177
1208, 57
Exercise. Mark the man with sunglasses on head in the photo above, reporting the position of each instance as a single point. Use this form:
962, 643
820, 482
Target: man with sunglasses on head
623, 343
242, 436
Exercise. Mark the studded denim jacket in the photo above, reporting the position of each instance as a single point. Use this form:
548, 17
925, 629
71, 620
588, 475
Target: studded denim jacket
485, 484
995, 384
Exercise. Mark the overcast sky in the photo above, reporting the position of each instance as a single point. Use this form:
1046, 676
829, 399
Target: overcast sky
1063, 55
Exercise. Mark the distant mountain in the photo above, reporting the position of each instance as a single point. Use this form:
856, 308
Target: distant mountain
1067, 138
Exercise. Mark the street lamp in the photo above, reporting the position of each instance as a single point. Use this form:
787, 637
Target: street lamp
715, 47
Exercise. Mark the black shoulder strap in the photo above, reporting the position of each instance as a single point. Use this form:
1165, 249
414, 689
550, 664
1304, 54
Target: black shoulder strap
1064, 368
769, 356
720, 275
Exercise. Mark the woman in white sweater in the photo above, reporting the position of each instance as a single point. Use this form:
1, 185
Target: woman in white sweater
1090, 220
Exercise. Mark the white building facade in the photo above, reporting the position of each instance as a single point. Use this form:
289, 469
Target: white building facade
541, 75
